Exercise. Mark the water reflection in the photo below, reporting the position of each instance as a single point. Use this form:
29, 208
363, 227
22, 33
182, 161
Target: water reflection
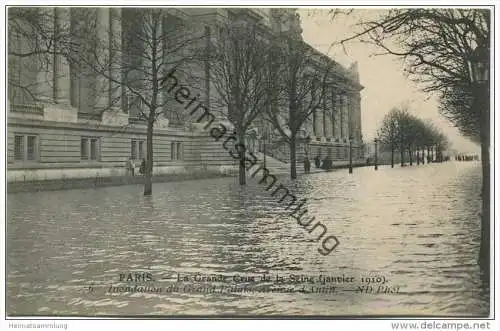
416, 226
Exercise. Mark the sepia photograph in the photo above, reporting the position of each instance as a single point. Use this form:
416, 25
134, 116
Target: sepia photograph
249, 162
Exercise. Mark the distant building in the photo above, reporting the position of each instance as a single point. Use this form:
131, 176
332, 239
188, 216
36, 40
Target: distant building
55, 129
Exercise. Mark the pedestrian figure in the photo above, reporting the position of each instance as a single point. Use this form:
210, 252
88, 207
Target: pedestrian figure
142, 168
131, 166
317, 161
327, 163
307, 165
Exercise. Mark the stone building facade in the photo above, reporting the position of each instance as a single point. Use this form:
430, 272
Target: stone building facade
57, 127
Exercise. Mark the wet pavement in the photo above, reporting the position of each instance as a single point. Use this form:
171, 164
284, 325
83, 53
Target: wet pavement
411, 233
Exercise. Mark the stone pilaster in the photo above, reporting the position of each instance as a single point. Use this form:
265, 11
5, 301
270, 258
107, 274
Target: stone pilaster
61, 75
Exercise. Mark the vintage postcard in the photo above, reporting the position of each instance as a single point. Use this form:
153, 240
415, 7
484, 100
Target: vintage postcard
249, 162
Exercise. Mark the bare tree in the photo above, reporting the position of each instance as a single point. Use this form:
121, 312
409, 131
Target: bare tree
33, 43
437, 45
408, 133
388, 132
298, 84
239, 76
133, 65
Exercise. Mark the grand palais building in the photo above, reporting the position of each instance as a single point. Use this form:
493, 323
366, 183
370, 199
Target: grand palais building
56, 127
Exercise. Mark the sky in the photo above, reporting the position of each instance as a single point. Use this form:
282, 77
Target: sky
385, 85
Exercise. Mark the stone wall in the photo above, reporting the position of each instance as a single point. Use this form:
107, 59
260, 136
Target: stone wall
58, 150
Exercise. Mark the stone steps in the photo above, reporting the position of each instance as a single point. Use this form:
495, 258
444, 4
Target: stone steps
277, 167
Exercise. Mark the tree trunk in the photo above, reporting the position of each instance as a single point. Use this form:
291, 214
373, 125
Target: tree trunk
484, 250
410, 155
392, 155
293, 158
402, 156
417, 155
148, 182
242, 170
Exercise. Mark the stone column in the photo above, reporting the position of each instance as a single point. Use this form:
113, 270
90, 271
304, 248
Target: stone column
206, 65
328, 118
102, 34
61, 76
318, 123
338, 116
340, 113
358, 117
162, 120
45, 74
350, 117
345, 117
115, 46
310, 126
333, 109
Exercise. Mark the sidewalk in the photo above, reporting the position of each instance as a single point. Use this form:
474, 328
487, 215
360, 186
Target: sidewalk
85, 183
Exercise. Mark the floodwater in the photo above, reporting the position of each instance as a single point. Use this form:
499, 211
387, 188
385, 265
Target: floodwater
415, 228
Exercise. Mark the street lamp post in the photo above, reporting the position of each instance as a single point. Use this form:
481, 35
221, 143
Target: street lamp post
264, 150
478, 65
376, 154
264, 144
350, 154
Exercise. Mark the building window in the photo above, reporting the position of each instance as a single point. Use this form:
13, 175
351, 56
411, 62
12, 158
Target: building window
179, 151
90, 148
137, 149
141, 149
19, 148
25, 147
94, 149
125, 102
84, 149
133, 151
173, 153
176, 151
31, 148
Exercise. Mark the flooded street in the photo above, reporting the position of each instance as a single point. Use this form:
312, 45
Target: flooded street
418, 227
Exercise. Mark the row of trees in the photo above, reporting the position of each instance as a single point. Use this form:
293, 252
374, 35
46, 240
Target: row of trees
264, 77
404, 132
129, 53
441, 48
